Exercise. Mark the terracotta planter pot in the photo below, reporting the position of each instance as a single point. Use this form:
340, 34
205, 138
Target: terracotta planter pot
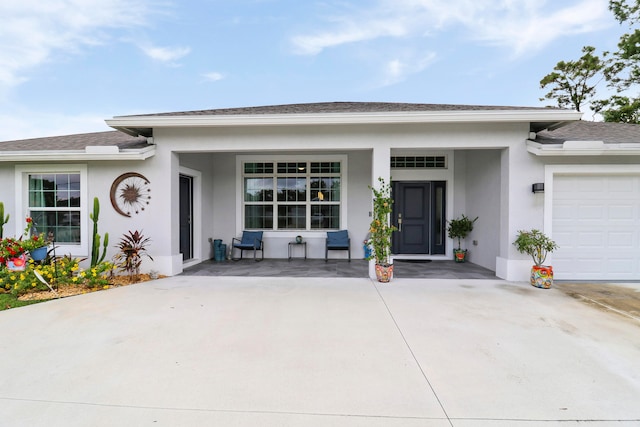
542, 276
384, 273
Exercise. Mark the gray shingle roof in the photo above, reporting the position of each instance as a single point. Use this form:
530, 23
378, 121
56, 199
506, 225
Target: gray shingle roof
591, 131
340, 107
75, 142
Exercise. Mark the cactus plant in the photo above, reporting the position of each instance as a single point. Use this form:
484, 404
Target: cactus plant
96, 258
3, 220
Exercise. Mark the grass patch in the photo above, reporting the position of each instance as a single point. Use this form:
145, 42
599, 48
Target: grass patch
8, 301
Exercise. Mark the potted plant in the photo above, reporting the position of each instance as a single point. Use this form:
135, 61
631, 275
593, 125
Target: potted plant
380, 231
36, 243
13, 251
459, 228
536, 244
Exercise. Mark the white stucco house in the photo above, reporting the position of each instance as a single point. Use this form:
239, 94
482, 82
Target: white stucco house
305, 169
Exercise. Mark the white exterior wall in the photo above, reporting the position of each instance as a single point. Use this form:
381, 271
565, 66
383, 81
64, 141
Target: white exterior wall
483, 201
490, 175
521, 209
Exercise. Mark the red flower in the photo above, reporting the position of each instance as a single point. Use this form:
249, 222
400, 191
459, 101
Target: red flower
29, 219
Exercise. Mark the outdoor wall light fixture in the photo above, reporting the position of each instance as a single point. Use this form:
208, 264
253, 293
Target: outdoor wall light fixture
538, 187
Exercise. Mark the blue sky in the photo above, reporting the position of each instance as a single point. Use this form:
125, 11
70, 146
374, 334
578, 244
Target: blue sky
67, 65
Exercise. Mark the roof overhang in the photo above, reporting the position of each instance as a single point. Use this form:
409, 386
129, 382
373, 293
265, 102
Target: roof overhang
89, 153
583, 148
539, 119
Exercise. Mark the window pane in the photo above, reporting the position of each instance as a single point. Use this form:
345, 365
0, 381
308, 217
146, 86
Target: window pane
292, 216
64, 225
325, 189
262, 168
325, 216
325, 167
258, 189
292, 189
258, 216
292, 167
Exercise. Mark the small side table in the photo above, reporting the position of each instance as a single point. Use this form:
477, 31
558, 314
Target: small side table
293, 244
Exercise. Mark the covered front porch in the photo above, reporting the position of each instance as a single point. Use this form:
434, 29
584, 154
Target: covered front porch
299, 267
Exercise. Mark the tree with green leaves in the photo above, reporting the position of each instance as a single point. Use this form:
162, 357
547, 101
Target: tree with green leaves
572, 83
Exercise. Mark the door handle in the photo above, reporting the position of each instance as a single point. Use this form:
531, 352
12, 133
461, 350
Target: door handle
400, 222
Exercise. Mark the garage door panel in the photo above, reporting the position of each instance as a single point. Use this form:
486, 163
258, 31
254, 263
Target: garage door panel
591, 240
591, 212
621, 240
596, 223
621, 266
621, 212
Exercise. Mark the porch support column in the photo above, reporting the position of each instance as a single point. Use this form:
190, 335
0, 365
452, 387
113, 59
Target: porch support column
380, 167
166, 244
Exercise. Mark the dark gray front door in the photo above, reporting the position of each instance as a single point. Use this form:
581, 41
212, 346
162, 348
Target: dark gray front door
418, 212
186, 212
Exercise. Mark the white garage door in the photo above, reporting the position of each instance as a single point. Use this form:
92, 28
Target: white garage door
596, 223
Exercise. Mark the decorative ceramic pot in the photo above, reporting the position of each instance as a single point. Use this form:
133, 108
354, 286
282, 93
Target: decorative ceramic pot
542, 276
38, 254
384, 272
298, 239
460, 255
18, 263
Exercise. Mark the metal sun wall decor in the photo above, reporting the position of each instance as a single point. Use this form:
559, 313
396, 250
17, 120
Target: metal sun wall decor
130, 193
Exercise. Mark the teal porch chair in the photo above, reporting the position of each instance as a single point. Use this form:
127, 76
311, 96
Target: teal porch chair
337, 241
250, 241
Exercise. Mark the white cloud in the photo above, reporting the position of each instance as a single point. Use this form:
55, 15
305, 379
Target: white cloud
519, 25
165, 54
350, 32
397, 70
213, 76
32, 31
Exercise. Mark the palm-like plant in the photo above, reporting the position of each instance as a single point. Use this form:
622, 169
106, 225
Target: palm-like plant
132, 246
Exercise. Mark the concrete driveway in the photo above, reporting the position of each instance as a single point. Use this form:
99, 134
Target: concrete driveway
233, 351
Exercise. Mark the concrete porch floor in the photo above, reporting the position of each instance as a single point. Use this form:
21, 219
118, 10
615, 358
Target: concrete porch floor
300, 267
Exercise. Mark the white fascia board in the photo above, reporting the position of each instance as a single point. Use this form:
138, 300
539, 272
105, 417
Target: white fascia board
465, 116
60, 156
546, 150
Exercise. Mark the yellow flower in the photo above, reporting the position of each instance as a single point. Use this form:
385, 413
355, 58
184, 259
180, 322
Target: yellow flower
74, 268
22, 276
105, 287
33, 284
75, 279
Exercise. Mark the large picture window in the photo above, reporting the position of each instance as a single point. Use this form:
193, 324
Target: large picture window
292, 195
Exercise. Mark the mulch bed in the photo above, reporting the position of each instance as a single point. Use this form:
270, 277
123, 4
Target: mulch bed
67, 290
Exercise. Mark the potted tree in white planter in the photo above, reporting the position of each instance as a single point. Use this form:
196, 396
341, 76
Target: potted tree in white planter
536, 244
460, 228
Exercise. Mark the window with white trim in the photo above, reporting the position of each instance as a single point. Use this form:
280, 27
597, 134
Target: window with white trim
54, 205
55, 198
293, 195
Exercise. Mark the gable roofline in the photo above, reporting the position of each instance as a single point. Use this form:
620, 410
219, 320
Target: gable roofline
109, 145
344, 113
584, 138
